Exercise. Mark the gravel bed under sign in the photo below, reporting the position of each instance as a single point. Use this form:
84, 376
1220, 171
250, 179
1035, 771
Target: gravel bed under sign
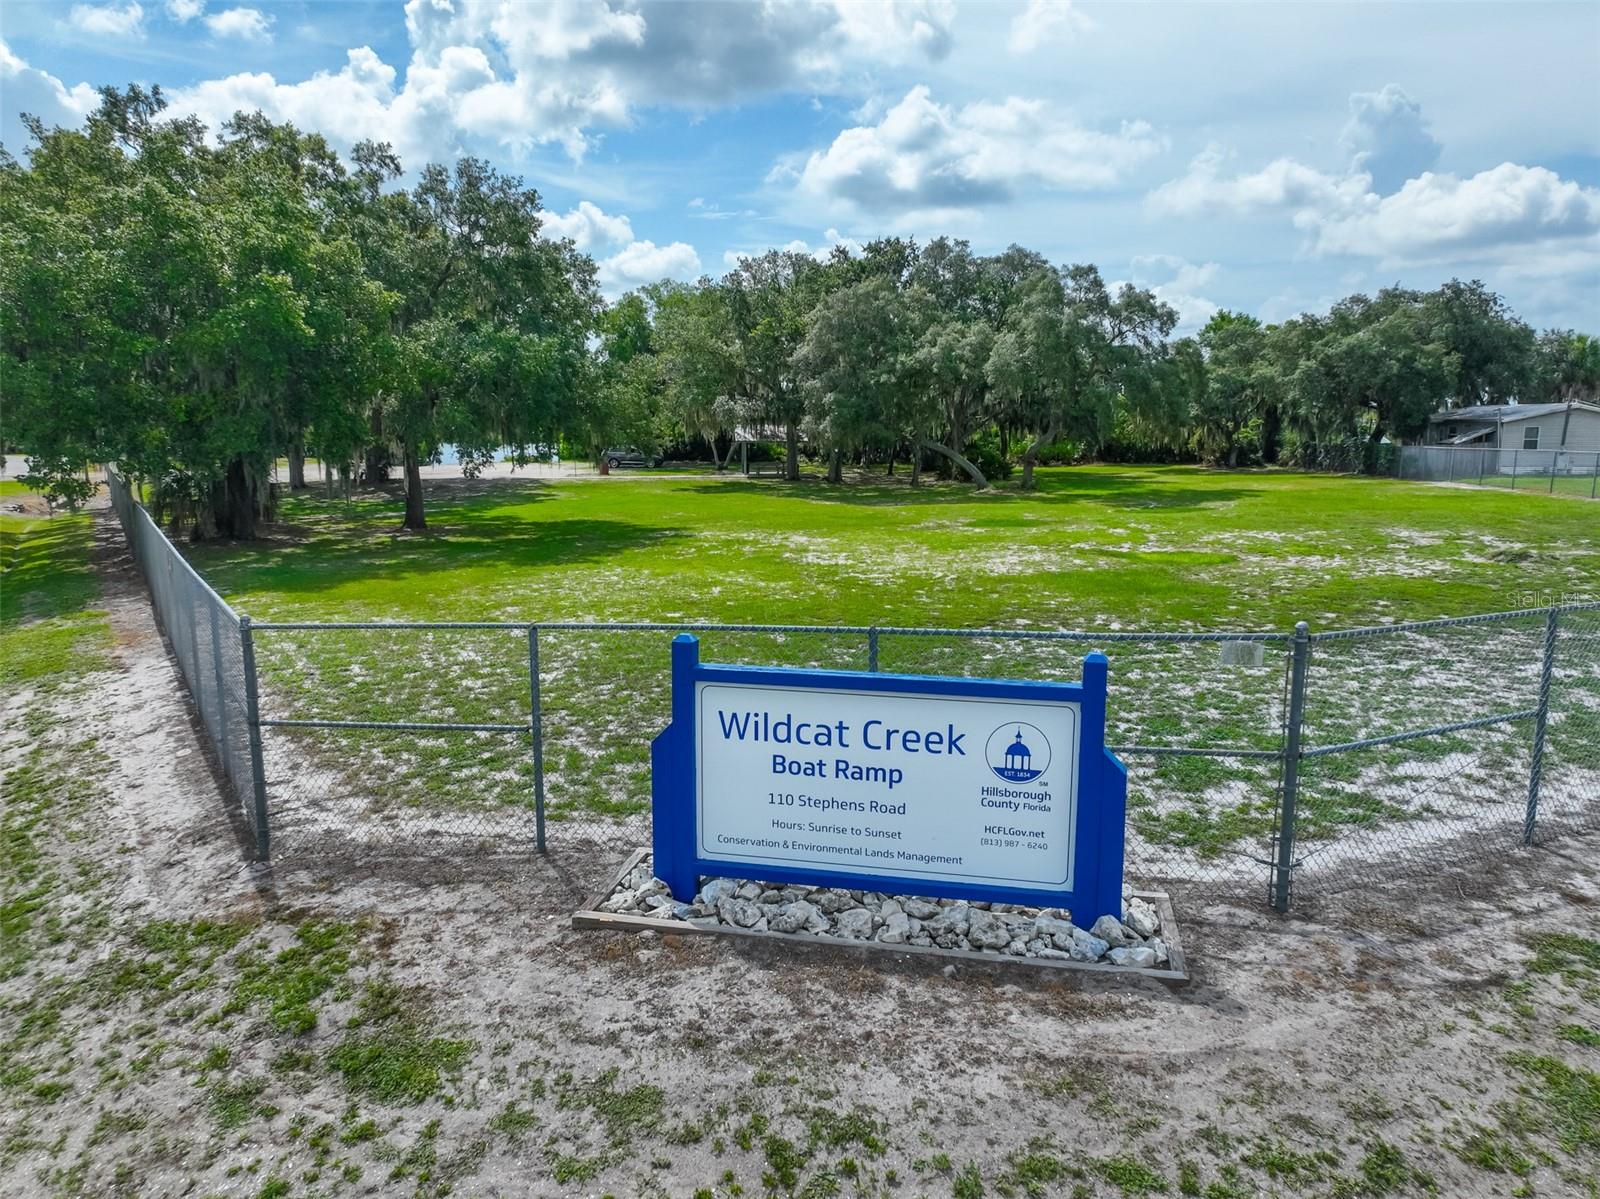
1139, 941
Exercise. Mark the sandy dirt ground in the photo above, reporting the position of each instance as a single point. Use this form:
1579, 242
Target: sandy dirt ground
1407, 1038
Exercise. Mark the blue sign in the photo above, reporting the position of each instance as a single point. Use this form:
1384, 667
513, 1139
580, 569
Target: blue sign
907, 784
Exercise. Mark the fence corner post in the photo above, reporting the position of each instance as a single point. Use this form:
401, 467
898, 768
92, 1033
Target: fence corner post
252, 712
1540, 720
1283, 868
536, 730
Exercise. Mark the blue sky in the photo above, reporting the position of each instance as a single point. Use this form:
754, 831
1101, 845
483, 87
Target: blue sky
1263, 157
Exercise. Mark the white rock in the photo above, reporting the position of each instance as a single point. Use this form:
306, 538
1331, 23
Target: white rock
889, 907
986, 930
741, 912
1158, 947
896, 929
854, 924
715, 890
751, 891
1050, 928
1086, 947
921, 909
1109, 929
1142, 957
950, 921
833, 900
792, 917
1142, 918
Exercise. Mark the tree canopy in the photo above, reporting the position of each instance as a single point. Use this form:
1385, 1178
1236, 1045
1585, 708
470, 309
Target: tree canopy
196, 307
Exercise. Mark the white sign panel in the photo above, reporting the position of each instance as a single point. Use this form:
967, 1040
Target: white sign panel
872, 782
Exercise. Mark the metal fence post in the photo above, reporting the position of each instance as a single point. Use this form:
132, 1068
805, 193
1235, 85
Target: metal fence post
1515, 454
872, 650
252, 712
1536, 766
1283, 871
1555, 461
536, 729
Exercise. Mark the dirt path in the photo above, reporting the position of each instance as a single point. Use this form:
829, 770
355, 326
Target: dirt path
195, 1026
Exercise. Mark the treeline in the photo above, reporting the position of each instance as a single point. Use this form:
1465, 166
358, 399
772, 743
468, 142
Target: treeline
935, 353
196, 308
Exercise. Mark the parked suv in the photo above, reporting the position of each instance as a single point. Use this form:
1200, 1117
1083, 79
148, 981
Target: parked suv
628, 456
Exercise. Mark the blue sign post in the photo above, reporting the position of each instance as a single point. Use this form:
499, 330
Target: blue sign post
971, 789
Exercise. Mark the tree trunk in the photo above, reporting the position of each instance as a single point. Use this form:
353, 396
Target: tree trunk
916, 463
376, 467
297, 465
1271, 434
890, 470
791, 452
415, 519
233, 505
1030, 456
836, 466
973, 472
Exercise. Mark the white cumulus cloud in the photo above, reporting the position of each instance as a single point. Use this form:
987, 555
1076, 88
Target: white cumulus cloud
30, 90
1283, 185
642, 262
1388, 137
108, 20
922, 156
1045, 21
245, 24
508, 74
589, 227
1441, 216
1180, 283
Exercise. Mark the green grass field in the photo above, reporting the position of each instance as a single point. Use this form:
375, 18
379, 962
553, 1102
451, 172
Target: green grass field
48, 625
1099, 548
1146, 548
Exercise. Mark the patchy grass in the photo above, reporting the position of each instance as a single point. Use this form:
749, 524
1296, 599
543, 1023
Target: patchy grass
285, 984
1094, 547
395, 1055
1151, 547
49, 627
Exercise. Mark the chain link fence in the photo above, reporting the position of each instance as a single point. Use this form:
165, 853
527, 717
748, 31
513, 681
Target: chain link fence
212, 651
1261, 764
1556, 472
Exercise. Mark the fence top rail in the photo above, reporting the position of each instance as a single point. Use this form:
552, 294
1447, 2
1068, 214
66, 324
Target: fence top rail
1451, 621
1087, 635
140, 513
592, 626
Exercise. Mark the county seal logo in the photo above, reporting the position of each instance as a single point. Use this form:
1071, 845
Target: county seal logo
1018, 752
